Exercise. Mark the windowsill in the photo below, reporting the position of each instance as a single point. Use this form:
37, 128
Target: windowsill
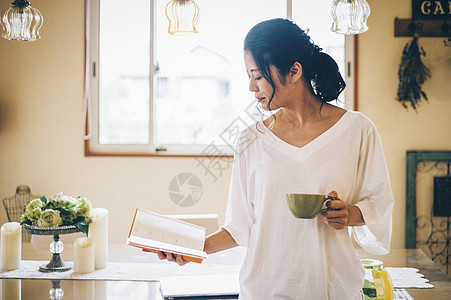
89, 153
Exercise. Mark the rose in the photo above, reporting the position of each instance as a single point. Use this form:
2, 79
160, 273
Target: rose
61, 201
81, 211
50, 218
65, 205
62, 198
83, 207
58, 210
33, 209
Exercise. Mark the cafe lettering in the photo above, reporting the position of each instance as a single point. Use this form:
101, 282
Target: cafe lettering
431, 9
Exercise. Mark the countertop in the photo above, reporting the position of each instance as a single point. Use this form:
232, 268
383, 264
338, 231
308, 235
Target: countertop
121, 253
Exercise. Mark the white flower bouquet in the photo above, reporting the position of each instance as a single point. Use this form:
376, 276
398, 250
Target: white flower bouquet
58, 210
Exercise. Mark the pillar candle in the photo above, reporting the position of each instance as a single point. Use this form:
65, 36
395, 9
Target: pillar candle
11, 246
83, 255
98, 232
11, 289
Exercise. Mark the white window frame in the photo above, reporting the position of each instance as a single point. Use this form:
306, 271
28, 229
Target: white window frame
92, 145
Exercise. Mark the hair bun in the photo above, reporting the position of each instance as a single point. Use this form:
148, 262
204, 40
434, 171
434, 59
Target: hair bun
280, 43
327, 80
316, 49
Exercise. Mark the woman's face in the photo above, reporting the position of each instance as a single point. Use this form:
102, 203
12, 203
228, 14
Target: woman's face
260, 86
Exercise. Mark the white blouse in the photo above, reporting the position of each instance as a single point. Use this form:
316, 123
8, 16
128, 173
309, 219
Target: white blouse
290, 258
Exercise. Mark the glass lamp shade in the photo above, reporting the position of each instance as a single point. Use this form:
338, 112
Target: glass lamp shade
21, 22
183, 16
349, 16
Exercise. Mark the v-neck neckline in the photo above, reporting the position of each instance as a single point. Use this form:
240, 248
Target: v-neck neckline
316, 142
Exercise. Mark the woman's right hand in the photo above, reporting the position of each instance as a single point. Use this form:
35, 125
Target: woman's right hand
172, 257
218, 241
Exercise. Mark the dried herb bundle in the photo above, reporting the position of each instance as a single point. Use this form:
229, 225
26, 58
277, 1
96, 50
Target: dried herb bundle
412, 74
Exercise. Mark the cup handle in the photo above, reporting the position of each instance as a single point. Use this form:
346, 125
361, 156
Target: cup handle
327, 199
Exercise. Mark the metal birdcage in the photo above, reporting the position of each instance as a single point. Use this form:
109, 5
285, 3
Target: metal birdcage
15, 206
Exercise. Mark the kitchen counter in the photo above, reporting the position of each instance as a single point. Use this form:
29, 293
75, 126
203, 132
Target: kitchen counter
100, 289
415, 258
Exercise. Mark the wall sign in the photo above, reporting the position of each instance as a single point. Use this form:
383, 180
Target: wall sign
431, 9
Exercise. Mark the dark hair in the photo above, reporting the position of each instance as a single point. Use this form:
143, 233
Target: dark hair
281, 43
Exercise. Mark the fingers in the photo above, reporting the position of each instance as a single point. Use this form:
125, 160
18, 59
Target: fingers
170, 257
338, 216
177, 258
336, 205
333, 194
161, 255
337, 224
180, 260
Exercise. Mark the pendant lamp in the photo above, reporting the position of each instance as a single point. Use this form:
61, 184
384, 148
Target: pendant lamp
21, 22
183, 16
349, 16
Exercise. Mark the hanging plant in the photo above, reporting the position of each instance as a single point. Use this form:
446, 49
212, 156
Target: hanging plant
412, 74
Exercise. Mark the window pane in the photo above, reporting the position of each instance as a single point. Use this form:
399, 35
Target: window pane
124, 72
315, 15
202, 84
200, 91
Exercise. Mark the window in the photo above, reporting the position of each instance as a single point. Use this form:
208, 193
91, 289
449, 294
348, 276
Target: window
155, 93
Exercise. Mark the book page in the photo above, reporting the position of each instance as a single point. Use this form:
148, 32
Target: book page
166, 230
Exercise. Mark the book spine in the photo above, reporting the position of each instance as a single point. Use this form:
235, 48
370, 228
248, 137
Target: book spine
133, 223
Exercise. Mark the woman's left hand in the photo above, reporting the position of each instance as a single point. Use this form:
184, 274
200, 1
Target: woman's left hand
338, 216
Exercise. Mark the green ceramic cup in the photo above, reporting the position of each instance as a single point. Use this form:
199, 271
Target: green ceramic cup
307, 206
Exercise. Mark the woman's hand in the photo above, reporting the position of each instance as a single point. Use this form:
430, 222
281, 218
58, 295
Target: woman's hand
172, 257
338, 216
218, 241
341, 214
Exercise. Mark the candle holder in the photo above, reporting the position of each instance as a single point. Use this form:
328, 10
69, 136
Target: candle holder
56, 263
56, 292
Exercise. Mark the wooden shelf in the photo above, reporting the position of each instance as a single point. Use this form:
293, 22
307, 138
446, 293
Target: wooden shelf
427, 28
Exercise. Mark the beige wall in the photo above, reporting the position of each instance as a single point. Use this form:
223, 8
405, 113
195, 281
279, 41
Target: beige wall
429, 128
41, 91
41, 128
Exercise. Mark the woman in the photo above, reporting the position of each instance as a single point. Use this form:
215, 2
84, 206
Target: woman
307, 146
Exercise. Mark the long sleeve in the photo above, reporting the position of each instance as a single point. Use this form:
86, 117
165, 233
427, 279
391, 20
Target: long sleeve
374, 196
239, 215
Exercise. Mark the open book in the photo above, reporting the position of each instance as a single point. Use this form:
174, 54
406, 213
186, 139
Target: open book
152, 232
